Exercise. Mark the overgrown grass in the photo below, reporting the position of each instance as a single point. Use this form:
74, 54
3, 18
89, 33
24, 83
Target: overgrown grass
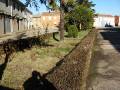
40, 59
81, 34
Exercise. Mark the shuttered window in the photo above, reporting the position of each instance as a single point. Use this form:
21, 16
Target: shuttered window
0, 16
13, 6
6, 2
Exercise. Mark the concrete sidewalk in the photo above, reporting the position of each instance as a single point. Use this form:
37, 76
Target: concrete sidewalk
105, 64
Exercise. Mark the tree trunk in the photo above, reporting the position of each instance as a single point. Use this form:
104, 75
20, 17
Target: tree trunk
61, 28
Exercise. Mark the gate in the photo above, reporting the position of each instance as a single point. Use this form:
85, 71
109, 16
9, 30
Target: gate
15, 23
1, 24
7, 25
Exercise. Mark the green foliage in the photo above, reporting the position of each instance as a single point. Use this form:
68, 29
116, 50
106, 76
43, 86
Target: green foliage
80, 14
72, 31
50, 4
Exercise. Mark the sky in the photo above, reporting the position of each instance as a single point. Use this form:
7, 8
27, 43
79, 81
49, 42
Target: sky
107, 6
41, 9
111, 7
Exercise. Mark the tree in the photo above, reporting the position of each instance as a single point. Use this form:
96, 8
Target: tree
51, 4
61, 28
80, 14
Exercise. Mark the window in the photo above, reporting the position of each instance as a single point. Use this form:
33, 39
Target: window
55, 23
13, 6
6, 2
21, 9
43, 18
55, 17
0, 16
50, 17
18, 7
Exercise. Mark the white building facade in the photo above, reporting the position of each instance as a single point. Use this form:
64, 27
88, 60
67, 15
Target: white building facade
104, 21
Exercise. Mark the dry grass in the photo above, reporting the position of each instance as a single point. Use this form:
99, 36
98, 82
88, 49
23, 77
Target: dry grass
42, 59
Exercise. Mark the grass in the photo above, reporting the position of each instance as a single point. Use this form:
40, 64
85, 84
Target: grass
81, 34
42, 59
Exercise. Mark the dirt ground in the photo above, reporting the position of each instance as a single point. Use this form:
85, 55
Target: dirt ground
18, 69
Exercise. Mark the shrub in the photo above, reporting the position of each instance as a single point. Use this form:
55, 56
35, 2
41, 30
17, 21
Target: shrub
72, 31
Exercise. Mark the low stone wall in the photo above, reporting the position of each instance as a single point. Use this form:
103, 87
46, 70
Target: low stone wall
71, 73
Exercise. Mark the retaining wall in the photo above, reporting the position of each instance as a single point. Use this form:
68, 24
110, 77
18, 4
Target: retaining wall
71, 73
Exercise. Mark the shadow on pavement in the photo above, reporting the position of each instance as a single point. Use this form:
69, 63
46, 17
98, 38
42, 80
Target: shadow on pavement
113, 36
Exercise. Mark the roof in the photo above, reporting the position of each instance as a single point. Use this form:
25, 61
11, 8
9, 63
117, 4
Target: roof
20, 3
29, 11
37, 15
47, 14
50, 13
104, 15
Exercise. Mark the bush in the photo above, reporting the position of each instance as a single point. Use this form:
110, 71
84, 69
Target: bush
72, 31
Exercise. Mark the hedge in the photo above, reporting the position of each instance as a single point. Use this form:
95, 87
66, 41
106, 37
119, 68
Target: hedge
71, 73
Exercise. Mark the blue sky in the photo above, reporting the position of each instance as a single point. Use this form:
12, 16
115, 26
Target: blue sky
41, 9
107, 6
102, 6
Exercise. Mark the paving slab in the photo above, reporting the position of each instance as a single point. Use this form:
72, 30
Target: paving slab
105, 64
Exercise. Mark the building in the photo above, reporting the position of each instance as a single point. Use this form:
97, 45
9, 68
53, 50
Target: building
14, 16
46, 20
101, 20
52, 20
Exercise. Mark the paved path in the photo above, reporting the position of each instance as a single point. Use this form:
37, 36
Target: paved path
105, 66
